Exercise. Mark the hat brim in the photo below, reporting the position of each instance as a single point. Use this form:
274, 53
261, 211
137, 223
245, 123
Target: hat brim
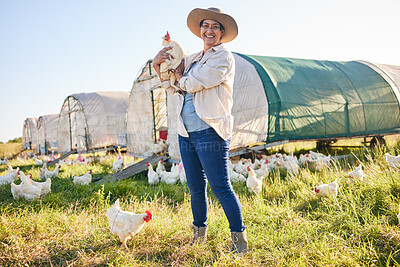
198, 14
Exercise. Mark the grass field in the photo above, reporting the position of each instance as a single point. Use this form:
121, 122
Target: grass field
10, 149
287, 224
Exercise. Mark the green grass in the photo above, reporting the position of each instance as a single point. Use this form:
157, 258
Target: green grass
287, 224
8, 150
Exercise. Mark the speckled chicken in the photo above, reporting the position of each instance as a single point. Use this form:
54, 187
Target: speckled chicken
125, 224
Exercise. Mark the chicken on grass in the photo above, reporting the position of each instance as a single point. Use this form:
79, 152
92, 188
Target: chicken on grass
327, 190
83, 179
356, 175
126, 224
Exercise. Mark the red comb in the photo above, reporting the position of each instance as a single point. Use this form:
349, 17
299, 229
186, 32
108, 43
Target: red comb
167, 37
148, 217
248, 168
30, 175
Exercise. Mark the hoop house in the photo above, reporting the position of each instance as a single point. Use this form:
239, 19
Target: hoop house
47, 126
92, 120
29, 133
319, 99
146, 115
280, 99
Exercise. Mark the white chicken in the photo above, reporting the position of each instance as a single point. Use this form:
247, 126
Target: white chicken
357, 174
168, 67
256, 165
393, 161
152, 176
118, 164
303, 160
236, 177
318, 160
83, 179
398, 216
53, 173
45, 186
125, 224
240, 167
182, 173
159, 147
253, 183
66, 162
160, 167
4, 161
26, 189
11, 176
326, 190
10, 170
291, 167
263, 171
42, 171
169, 177
174, 168
38, 162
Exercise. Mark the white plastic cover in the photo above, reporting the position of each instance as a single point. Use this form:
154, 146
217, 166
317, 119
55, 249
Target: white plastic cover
29, 133
47, 126
146, 113
250, 109
92, 120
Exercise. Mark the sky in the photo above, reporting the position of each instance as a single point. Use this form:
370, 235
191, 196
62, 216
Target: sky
50, 49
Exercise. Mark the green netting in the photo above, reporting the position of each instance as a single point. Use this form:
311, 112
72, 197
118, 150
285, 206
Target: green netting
312, 99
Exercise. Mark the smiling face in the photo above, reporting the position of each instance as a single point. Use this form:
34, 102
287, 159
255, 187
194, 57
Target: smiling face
211, 33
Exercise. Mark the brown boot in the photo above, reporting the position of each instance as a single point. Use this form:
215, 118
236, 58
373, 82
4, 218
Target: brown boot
239, 242
199, 234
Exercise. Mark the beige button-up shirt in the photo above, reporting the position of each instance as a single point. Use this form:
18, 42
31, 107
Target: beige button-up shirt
211, 83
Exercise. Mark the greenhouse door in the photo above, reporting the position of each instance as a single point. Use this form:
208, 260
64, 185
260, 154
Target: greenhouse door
78, 131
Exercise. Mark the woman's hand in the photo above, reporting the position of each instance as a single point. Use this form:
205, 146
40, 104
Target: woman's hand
160, 58
179, 70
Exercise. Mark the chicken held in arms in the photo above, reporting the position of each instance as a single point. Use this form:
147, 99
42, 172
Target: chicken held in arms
168, 67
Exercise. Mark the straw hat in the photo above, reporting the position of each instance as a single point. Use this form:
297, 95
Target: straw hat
198, 14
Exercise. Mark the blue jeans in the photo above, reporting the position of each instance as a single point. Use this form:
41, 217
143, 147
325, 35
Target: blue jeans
205, 157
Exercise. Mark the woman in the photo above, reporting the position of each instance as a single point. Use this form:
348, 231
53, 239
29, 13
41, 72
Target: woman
205, 122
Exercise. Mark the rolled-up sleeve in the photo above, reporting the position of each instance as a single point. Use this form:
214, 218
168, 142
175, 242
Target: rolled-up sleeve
209, 74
